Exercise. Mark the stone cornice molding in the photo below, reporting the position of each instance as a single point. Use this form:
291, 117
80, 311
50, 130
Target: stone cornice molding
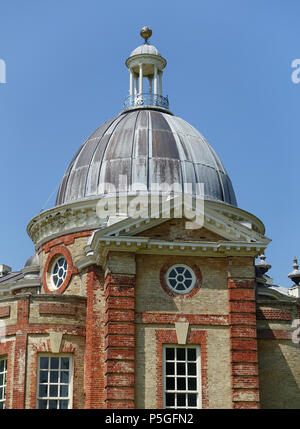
20, 284
227, 221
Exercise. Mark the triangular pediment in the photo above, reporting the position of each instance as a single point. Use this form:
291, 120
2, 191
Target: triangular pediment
224, 231
175, 230
214, 226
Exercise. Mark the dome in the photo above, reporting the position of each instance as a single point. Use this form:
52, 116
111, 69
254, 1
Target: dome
147, 146
33, 261
145, 49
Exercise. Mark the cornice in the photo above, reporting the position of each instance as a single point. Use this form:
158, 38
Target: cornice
226, 221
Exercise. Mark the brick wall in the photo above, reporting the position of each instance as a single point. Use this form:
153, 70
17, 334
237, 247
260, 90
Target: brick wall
23, 344
278, 356
243, 340
94, 352
119, 332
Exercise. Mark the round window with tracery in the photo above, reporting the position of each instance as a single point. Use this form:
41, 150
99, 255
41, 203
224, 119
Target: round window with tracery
59, 272
180, 278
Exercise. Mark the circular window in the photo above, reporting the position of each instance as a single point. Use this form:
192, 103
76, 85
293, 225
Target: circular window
180, 278
58, 272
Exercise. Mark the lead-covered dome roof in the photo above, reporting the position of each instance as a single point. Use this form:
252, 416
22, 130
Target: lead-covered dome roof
147, 146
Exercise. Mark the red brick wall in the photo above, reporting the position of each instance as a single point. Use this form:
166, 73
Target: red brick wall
22, 362
64, 239
243, 343
119, 341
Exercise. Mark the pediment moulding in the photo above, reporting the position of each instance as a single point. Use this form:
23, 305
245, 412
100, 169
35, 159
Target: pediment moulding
97, 251
229, 222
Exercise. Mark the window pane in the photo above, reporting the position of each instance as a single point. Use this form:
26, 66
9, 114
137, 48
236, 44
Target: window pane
1, 393
170, 368
1, 405
64, 377
170, 354
170, 399
181, 383
44, 377
65, 363
172, 273
181, 399
52, 405
54, 363
44, 363
170, 383
191, 354
54, 377
181, 368
2, 365
191, 369
180, 353
188, 274
192, 384
1, 379
53, 390
42, 404
192, 400
43, 390
64, 391
63, 405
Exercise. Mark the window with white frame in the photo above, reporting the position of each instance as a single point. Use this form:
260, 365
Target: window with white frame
59, 272
180, 278
54, 389
3, 372
182, 376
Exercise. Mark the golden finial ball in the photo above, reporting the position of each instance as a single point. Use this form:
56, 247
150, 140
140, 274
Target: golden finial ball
146, 32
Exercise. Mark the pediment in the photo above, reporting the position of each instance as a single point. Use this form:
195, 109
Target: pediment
175, 230
215, 226
220, 234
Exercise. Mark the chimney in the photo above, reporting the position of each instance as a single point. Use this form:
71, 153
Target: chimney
4, 270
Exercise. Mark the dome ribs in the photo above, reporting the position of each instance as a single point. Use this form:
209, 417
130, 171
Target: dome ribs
148, 147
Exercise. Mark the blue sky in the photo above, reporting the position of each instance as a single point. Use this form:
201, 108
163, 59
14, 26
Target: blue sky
228, 74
